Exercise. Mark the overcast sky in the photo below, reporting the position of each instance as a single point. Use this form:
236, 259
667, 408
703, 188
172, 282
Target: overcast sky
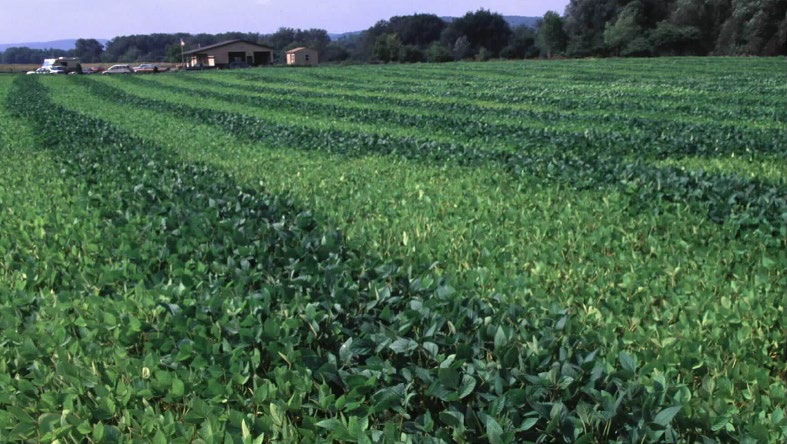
45, 20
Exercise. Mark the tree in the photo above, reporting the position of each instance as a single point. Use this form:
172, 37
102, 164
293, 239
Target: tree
175, 53
623, 31
411, 54
462, 48
676, 27
551, 37
521, 45
483, 29
417, 30
585, 21
671, 39
281, 38
22, 55
438, 53
334, 52
368, 39
387, 48
754, 28
25, 55
88, 50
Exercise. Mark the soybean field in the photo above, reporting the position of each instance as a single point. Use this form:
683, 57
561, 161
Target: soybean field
543, 251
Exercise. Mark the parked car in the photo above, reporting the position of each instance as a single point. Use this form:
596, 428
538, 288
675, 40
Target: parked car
69, 65
93, 70
119, 69
149, 68
49, 70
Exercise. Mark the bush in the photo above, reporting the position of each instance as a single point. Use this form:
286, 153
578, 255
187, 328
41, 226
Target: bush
639, 47
437, 53
411, 54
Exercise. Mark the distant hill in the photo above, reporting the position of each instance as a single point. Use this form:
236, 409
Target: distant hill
54, 44
519, 20
338, 36
513, 21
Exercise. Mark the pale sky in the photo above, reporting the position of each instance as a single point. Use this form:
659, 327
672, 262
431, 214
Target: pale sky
46, 20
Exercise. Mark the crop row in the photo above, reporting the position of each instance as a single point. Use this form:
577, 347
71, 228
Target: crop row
746, 202
701, 269
503, 126
444, 97
208, 310
740, 98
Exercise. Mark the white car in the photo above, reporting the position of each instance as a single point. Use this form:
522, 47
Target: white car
149, 68
49, 70
119, 69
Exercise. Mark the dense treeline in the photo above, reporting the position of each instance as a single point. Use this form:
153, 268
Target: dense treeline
587, 28
26, 56
674, 27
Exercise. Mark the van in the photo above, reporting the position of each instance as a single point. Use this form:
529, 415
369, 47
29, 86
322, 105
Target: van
70, 64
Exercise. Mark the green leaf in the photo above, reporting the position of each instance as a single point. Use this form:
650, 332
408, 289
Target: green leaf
84, 428
452, 418
627, 362
178, 389
159, 438
332, 424
345, 351
356, 428
528, 424
98, 432
48, 422
665, 416
500, 339
21, 415
494, 433
431, 348
467, 386
403, 345
244, 428
277, 414
449, 377
207, 432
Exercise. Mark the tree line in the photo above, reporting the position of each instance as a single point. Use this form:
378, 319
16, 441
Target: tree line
598, 28
587, 28
673, 27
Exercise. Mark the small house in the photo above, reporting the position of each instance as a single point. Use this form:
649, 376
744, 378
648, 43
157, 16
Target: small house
302, 57
232, 53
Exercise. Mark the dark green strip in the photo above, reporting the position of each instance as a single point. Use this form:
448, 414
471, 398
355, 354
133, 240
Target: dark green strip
747, 203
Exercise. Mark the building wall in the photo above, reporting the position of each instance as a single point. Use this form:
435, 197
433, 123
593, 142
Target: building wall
206, 60
303, 57
221, 56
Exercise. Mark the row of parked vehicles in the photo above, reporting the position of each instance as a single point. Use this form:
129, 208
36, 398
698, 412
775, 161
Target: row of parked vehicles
72, 65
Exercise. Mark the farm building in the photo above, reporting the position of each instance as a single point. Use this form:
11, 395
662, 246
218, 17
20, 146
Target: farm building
302, 57
222, 55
